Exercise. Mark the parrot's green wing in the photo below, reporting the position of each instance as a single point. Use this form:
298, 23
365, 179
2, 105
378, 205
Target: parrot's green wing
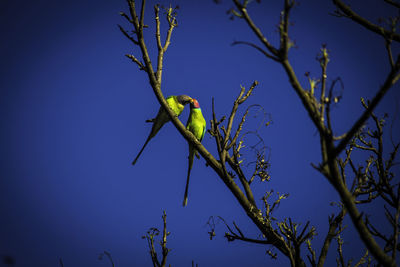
204, 131
162, 118
174, 104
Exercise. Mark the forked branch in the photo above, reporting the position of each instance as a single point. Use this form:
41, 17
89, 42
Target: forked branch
150, 237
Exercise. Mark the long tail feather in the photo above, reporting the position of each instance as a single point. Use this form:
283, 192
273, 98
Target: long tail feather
191, 154
140, 152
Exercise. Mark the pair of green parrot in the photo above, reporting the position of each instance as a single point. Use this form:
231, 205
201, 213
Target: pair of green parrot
195, 124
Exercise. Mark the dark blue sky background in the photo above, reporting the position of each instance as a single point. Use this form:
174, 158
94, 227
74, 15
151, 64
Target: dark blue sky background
72, 118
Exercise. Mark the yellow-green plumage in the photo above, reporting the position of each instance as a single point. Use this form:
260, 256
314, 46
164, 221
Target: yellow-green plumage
197, 125
177, 104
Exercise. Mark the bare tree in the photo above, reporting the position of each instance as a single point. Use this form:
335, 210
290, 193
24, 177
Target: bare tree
150, 236
357, 184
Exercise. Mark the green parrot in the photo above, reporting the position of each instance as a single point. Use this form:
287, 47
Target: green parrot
177, 104
197, 125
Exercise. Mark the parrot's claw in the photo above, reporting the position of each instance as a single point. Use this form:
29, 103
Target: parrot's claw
150, 120
197, 155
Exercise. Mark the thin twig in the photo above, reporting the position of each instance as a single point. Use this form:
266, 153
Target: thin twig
265, 53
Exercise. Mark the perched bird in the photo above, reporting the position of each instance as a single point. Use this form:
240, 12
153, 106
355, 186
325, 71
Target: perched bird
177, 104
197, 125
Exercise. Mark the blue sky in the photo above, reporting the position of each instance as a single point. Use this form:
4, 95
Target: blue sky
73, 113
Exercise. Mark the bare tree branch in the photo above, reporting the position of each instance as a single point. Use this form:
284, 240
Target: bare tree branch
150, 236
108, 254
254, 28
127, 35
134, 59
364, 22
265, 53
391, 79
393, 3
334, 224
